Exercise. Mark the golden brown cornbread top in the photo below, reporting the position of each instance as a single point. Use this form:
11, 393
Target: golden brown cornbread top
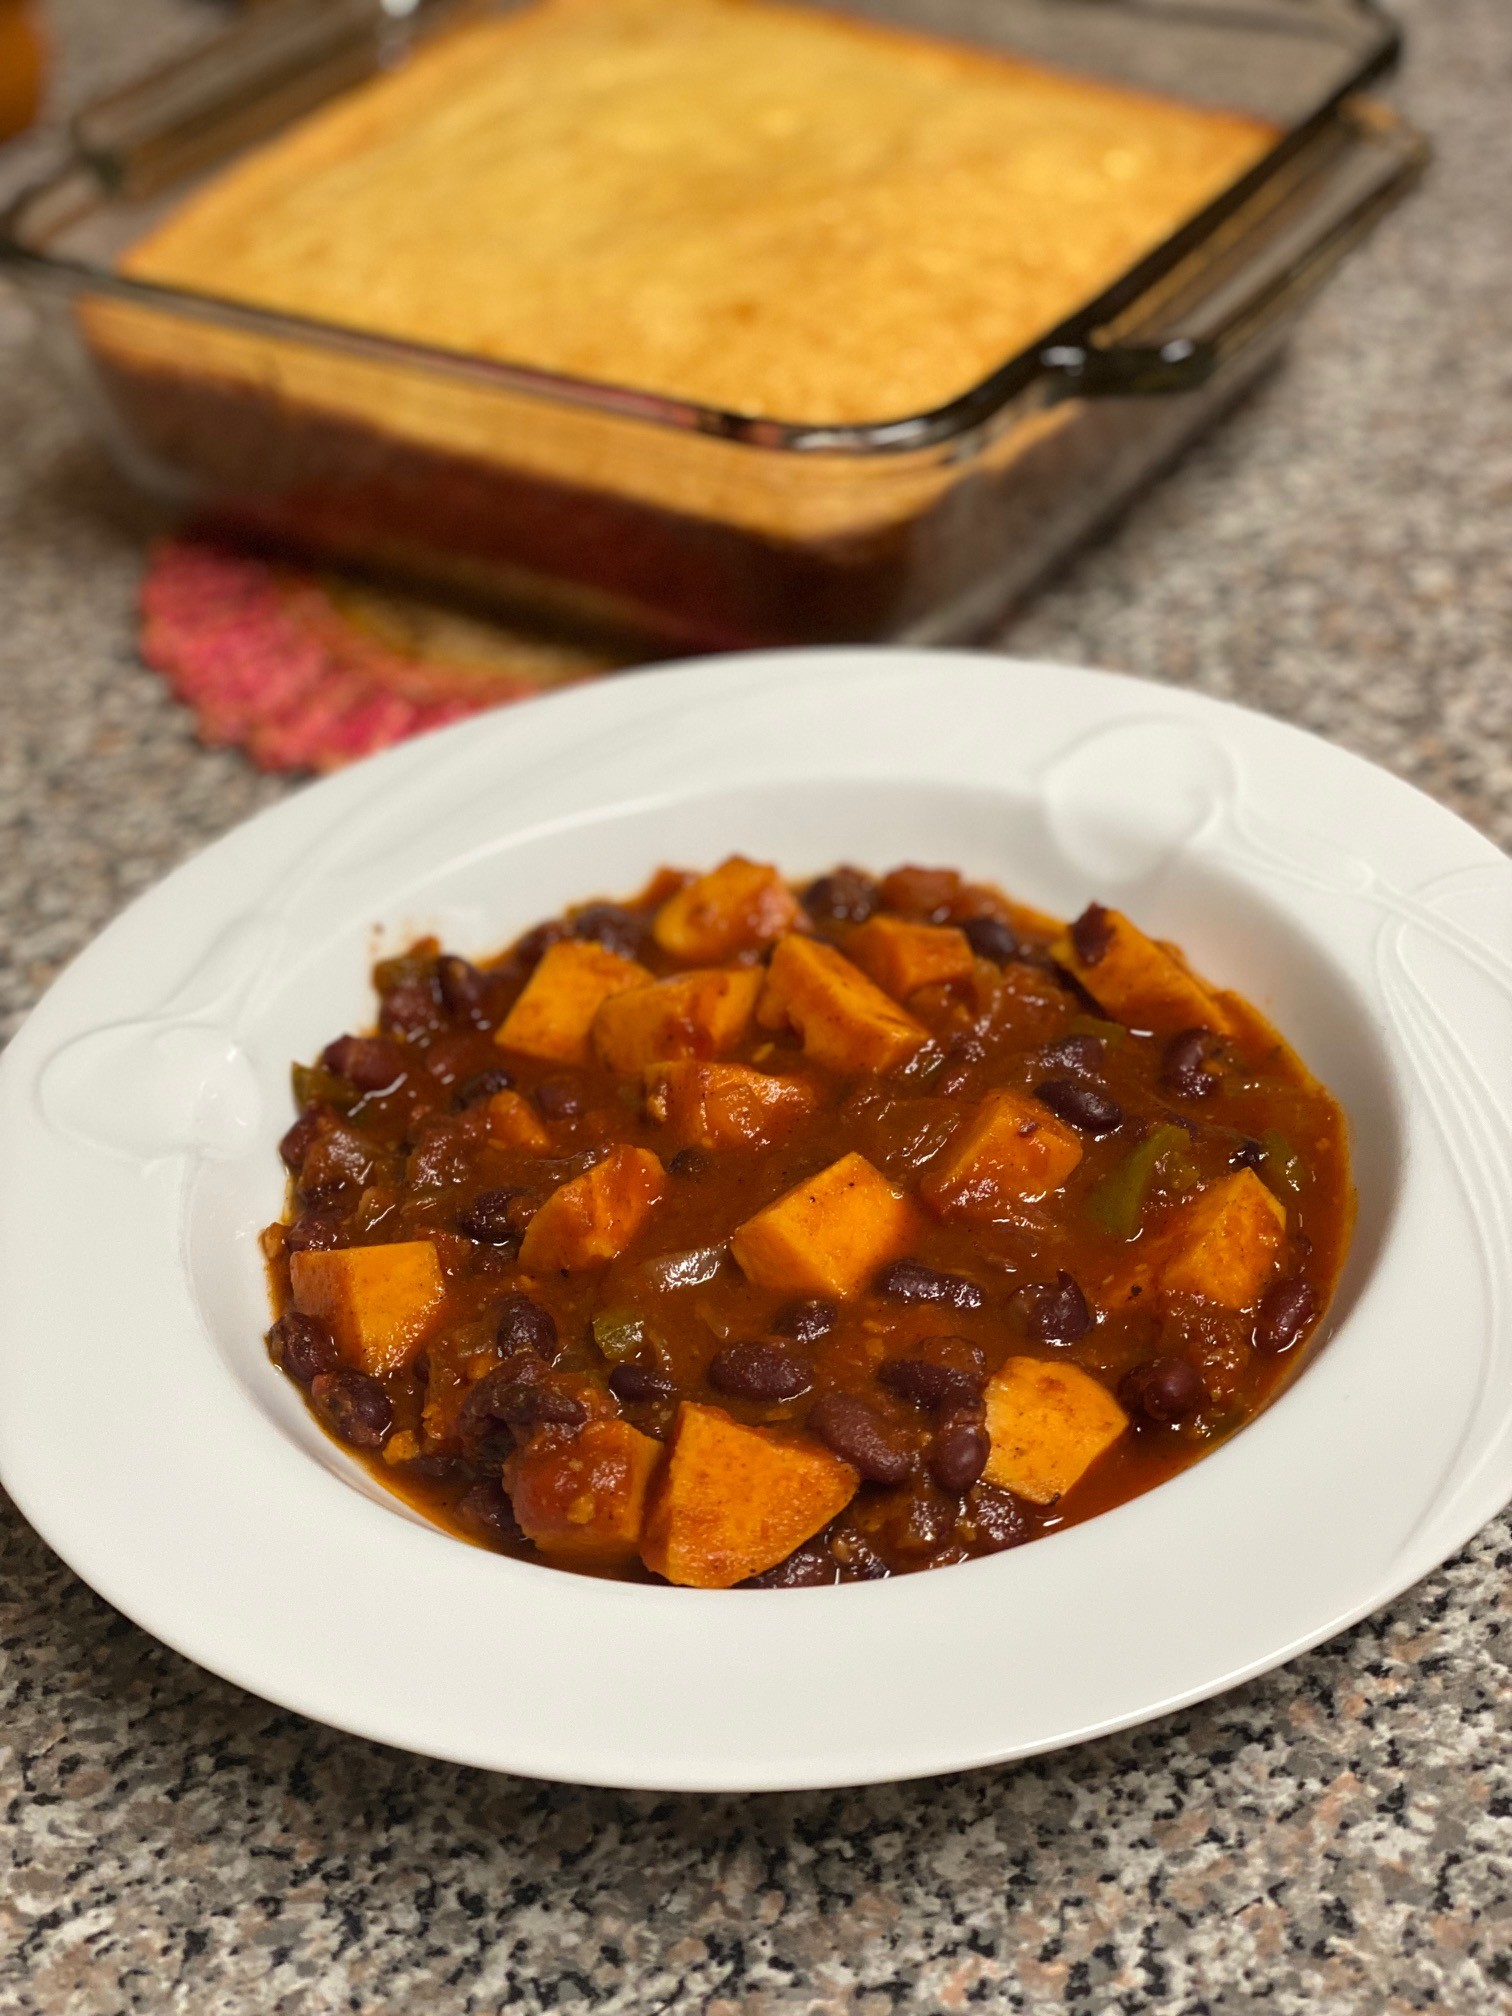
748, 204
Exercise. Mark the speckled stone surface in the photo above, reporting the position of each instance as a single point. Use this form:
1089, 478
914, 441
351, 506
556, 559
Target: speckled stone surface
1337, 1837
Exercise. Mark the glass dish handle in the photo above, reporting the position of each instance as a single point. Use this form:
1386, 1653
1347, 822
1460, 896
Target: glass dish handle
1221, 314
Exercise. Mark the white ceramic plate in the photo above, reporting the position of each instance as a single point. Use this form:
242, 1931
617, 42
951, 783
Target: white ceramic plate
144, 1433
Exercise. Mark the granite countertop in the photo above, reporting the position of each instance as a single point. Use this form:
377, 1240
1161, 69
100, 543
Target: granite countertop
1335, 1837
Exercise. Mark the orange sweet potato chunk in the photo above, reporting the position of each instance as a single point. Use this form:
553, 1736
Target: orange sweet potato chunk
1142, 982
827, 1235
514, 1123
583, 1501
591, 1219
697, 1014
1223, 1244
737, 907
903, 957
734, 1501
1047, 1423
555, 1012
724, 1105
378, 1302
846, 1021
1012, 1150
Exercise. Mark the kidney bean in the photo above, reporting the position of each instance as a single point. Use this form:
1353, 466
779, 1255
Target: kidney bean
354, 1407
1081, 1054
487, 1511
464, 990
931, 1386
371, 1063
999, 1519
411, 1008
850, 1428
614, 927
1165, 1390
634, 1383
303, 1346
759, 1372
810, 1566
483, 1085
341, 1156
1184, 1066
1286, 1312
316, 1232
523, 1325
1083, 1107
957, 1453
1056, 1312
557, 1099
301, 1138
990, 938
490, 1218
806, 1322
912, 1281
846, 897
690, 1164
1092, 934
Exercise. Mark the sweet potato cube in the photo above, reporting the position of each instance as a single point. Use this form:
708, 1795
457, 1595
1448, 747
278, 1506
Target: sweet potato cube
378, 1302
583, 1501
724, 1105
737, 907
903, 957
1136, 980
734, 1501
847, 1023
1012, 1150
691, 1015
1048, 1423
827, 1235
1224, 1244
514, 1123
592, 1218
555, 1012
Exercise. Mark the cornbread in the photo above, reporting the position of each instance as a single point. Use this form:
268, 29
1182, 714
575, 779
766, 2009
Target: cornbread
760, 207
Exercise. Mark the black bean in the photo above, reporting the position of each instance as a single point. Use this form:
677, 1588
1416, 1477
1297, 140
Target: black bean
557, 1099
303, 1346
912, 1281
690, 1163
811, 1566
845, 897
371, 1063
1092, 934
1083, 1107
483, 1085
490, 1218
1056, 1311
486, 1510
859, 1560
1184, 1065
529, 951
850, 1428
1165, 1390
957, 1453
614, 927
930, 1385
316, 1232
1286, 1313
411, 1007
523, 1325
1248, 1155
991, 938
516, 1395
464, 990
301, 1138
998, 1517
1082, 1054
806, 1322
759, 1372
354, 1407
634, 1383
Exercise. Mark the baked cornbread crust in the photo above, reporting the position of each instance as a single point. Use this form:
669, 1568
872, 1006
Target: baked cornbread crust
754, 206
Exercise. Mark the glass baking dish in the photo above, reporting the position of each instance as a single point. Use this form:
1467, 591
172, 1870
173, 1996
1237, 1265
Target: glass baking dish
694, 526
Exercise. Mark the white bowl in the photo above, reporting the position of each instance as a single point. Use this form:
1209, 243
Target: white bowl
146, 1436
